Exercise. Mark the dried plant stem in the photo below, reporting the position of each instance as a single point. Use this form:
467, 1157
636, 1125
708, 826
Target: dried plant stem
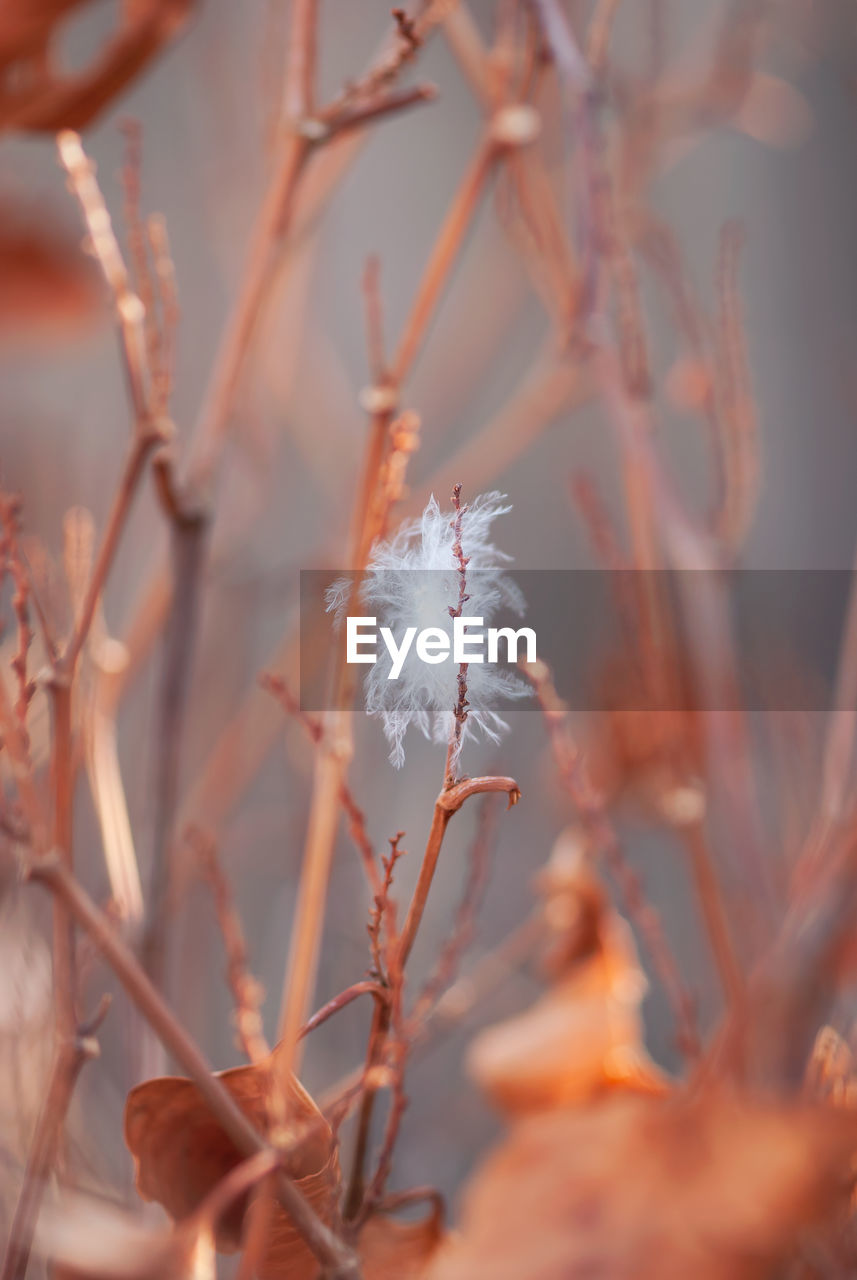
64, 964
321, 180
356, 817
345, 998
300, 68
146, 437
72, 1055
189, 536
689, 550
715, 915
375, 110
450, 238
465, 41
838, 758
129, 309
333, 756
397, 1054
17, 751
52, 872
247, 993
466, 993
302, 961
460, 709
448, 803
738, 435
598, 35
272, 226
554, 254
463, 929
574, 775
255, 1239
378, 1032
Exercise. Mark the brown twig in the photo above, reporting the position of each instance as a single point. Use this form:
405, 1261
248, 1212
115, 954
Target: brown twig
146, 438
375, 346
129, 309
455, 225
466, 994
573, 773
356, 817
370, 112
12, 562
137, 237
64, 962
247, 992
459, 711
448, 803
72, 1055
52, 872
396, 1045
381, 905
167, 292
367, 987
739, 429
189, 535
381, 931
17, 747
464, 925
332, 759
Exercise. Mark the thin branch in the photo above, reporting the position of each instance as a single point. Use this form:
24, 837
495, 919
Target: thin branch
129, 309
189, 537
247, 993
300, 69
12, 562
448, 802
64, 962
466, 994
589, 804
144, 441
371, 112
446, 248
72, 1055
459, 711
365, 988
51, 872
356, 817
838, 758
383, 946
464, 924
14, 740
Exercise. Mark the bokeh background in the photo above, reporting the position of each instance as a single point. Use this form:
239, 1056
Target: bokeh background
788, 171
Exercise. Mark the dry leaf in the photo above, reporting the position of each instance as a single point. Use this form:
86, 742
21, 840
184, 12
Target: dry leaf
586, 1035
49, 285
181, 1153
642, 1189
26, 26
392, 1250
34, 96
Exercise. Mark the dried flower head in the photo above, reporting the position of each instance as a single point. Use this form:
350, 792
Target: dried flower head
413, 580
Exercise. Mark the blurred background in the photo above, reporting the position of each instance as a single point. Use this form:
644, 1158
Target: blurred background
784, 164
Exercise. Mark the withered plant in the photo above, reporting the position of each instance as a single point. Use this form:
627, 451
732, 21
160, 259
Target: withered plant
731, 1155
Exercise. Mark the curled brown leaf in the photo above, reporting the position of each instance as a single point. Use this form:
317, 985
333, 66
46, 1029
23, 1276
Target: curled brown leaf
181, 1154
